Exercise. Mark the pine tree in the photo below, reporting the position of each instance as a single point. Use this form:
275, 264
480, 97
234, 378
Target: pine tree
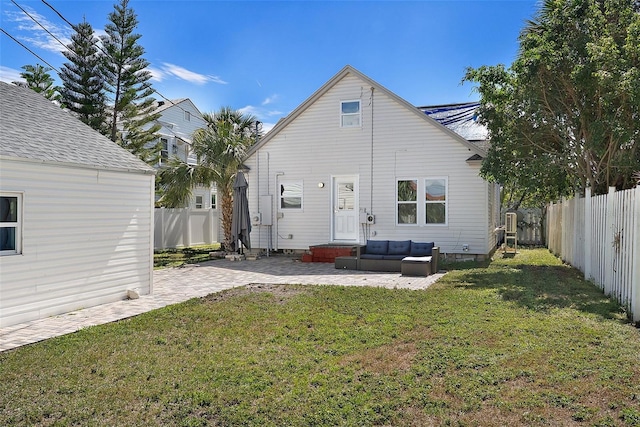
83, 90
128, 80
38, 79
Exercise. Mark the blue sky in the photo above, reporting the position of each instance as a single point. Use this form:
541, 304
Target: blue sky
267, 57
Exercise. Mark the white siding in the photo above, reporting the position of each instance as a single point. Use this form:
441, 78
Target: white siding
87, 239
313, 148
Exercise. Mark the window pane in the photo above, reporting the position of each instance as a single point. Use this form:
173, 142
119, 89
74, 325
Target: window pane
408, 191
7, 239
351, 120
346, 199
351, 107
8, 209
435, 213
407, 213
435, 189
291, 196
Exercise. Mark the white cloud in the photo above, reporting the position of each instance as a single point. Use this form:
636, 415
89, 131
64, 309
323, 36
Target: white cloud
9, 75
156, 74
270, 99
33, 35
249, 109
190, 76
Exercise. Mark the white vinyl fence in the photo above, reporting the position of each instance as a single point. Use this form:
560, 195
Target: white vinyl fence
185, 227
600, 236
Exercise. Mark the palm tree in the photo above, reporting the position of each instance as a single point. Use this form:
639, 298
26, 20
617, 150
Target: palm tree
221, 148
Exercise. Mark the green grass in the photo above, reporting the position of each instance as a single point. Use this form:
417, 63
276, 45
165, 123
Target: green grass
181, 256
522, 341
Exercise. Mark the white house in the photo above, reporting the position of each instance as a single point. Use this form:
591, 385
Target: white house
356, 162
179, 119
76, 224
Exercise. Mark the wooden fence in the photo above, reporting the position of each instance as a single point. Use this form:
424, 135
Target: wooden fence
185, 227
600, 236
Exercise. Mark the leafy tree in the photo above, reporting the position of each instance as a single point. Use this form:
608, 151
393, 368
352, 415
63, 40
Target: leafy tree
128, 80
221, 148
566, 114
83, 90
38, 79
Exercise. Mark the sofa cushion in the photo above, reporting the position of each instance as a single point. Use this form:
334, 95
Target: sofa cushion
377, 247
394, 257
371, 256
399, 247
421, 249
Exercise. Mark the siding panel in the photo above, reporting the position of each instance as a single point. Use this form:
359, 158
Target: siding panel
87, 236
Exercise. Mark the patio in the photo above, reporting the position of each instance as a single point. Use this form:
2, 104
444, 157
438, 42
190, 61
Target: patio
174, 285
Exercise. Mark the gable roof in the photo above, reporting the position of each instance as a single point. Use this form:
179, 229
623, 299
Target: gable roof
163, 105
33, 128
337, 78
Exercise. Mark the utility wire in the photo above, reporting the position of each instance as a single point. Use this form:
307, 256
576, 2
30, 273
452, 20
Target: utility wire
29, 50
105, 53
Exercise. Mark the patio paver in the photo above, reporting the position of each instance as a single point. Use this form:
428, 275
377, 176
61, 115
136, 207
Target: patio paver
174, 285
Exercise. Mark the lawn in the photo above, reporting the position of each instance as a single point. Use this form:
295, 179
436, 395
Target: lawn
522, 341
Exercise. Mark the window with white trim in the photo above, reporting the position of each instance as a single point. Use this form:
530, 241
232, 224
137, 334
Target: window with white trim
187, 116
407, 201
214, 200
291, 195
10, 223
350, 114
199, 204
435, 199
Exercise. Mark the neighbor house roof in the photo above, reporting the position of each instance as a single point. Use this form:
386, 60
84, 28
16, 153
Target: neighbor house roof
462, 119
33, 128
475, 148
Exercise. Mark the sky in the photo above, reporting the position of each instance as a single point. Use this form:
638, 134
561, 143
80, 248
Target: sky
267, 57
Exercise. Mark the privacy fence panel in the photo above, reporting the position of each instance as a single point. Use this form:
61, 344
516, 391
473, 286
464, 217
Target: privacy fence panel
185, 227
600, 235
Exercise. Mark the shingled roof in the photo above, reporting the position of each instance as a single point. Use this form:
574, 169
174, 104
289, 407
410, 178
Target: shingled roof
462, 119
33, 128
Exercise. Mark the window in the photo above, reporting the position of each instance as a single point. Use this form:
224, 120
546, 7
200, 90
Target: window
199, 202
214, 201
187, 116
10, 223
291, 195
407, 201
350, 114
164, 151
435, 197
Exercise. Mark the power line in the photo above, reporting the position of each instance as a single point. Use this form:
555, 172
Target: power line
41, 26
29, 50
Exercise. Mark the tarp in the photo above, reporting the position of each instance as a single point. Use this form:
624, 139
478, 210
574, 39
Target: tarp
240, 220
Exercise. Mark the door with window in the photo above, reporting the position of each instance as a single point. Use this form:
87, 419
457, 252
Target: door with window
345, 208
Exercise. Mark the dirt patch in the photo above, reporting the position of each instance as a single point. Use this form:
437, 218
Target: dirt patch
281, 293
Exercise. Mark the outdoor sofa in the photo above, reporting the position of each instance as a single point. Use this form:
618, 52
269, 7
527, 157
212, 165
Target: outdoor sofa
406, 256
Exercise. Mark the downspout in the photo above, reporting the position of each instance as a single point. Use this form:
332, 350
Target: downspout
371, 162
276, 198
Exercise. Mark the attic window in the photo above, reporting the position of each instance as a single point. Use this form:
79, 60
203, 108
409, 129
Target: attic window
187, 116
350, 114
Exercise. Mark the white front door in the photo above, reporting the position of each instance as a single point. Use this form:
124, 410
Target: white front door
345, 208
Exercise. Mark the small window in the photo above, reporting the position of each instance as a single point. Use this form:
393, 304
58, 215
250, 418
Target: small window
164, 152
187, 116
291, 195
407, 201
214, 201
10, 224
350, 114
199, 202
435, 196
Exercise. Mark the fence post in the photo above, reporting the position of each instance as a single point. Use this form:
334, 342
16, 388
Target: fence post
587, 234
635, 274
610, 223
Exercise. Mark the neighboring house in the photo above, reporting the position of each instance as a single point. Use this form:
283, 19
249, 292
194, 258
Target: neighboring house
179, 119
356, 162
76, 224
